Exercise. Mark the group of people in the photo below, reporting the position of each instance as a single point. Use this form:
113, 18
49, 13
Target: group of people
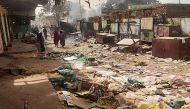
41, 35
59, 36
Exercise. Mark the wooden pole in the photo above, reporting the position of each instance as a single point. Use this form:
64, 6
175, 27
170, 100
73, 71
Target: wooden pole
1, 44
7, 25
4, 29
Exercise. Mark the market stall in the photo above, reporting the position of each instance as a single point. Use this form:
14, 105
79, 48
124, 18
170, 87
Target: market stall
160, 20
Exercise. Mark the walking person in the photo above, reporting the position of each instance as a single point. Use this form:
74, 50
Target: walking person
45, 32
39, 43
62, 38
56, 37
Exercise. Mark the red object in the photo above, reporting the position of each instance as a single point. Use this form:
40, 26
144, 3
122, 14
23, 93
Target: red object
171, 47
62, 39
56, 37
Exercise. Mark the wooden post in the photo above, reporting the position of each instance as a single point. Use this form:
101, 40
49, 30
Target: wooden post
1, 44
7, 25
4, 29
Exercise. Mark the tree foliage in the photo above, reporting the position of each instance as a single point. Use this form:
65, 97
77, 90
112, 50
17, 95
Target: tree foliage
55, 8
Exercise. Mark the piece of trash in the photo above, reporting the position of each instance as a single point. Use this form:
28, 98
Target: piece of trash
187, 100
188, 90
186, 107
177, 104
65, 95
141, 64
159, 92
57, 81
70, 58
154, 99
135, 83
105, 73
79, 65
108, 101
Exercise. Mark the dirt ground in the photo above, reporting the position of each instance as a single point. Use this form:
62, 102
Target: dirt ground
35, 89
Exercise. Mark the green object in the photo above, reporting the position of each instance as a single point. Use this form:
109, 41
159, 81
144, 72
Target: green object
66, 72
68, 66
83, 58
177, 104
57, 81
69, 74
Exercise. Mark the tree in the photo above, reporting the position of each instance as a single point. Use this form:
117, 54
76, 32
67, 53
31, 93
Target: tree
123, 4
56, 8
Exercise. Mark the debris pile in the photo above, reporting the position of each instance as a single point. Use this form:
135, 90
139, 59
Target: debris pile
112, 86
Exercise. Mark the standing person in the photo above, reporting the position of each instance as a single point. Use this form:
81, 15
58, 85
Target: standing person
62, 38
56, 37
51, 31
41, 41
45, 32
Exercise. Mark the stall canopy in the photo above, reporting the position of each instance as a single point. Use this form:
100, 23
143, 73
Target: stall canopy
22, 7
167, 10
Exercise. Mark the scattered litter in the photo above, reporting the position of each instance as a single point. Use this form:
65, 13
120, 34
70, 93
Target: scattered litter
79, 65
159, 92
177, 104
70, 58
105, 73
186, 107
141, 64
64, 95
136, 84
109, 102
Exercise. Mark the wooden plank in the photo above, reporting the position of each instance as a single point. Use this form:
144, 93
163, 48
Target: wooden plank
65, 96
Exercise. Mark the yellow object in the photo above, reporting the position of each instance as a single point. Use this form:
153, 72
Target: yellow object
152, 106
186, 107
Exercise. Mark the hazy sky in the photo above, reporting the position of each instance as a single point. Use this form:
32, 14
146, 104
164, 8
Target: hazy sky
162, 1
175, 1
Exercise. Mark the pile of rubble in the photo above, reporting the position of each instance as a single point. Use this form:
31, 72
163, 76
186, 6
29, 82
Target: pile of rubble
109, 86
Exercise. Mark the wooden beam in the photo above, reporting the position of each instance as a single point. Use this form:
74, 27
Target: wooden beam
4, 29
7, 25
1, 44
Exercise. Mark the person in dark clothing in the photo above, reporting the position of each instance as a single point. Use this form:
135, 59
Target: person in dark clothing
45, 33
62, 38
56, 37
16, 35
40, 39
